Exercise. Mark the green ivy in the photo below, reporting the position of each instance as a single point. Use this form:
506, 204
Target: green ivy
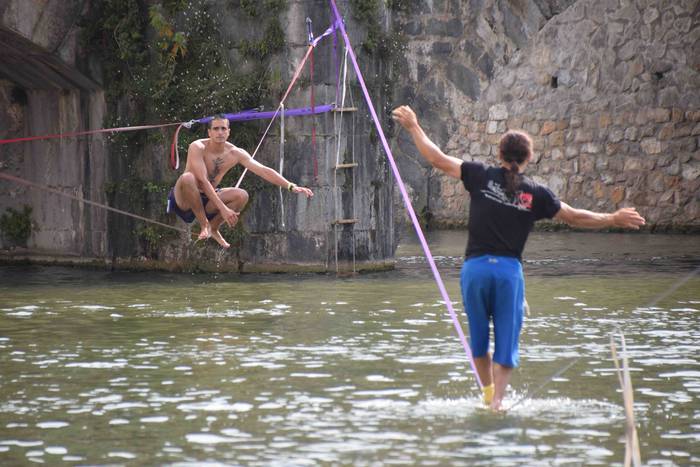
272, 42
235, 236
256, 8
138, 193
165, 61
377, 43
16, 225
401, 6
366, 11
154, 236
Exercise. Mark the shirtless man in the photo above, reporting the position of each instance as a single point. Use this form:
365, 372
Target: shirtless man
195, 194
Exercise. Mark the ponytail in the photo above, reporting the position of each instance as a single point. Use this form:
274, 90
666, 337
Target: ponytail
514, 148
513, 178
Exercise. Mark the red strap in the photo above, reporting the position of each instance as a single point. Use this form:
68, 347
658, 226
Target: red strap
313, 120
174, 153
88, 132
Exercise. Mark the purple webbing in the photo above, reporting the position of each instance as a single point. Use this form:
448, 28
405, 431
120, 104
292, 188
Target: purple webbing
404, 194
328, 31
255, 115
336, 64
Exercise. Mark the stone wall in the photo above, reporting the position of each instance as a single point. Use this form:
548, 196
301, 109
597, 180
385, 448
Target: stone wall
607, 88
53, 86
283, 231
308, 234
44, 92
609, 91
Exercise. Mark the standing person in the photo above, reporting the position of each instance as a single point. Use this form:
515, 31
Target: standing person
503, 208
195, 194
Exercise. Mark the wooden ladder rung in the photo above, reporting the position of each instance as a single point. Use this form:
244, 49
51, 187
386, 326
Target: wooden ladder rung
344, 109
345, 221
346, 166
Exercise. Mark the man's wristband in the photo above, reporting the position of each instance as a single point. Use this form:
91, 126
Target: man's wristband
291, 186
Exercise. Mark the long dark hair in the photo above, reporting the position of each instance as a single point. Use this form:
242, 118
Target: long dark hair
514, 148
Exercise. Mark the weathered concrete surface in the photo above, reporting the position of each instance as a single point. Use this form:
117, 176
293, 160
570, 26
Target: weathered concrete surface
32, 67
41, 47
42, 92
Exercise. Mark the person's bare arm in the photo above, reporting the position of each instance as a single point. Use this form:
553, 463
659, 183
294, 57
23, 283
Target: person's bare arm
451, 166
626, 218
269, 174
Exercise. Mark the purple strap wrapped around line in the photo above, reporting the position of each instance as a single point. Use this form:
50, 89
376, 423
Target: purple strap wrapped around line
407, 201
328, 31
256, 115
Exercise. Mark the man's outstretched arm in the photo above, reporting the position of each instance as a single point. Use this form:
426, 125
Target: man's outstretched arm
626, 218
271, 175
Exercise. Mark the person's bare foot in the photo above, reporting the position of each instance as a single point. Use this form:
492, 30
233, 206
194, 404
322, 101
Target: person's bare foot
216, 235
204, 233
497, 406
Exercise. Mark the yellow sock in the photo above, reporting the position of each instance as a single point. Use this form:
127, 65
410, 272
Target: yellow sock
488, 393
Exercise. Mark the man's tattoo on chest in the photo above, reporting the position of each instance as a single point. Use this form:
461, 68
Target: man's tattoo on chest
218, 162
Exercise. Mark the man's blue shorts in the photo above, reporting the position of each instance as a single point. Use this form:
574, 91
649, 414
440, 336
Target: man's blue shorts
493, 289
187, 216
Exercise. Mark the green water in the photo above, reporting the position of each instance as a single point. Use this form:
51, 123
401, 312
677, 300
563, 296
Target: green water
152, 369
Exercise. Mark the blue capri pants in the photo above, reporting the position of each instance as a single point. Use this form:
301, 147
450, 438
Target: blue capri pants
493, 290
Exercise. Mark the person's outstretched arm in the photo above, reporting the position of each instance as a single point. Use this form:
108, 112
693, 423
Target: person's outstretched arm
626, 218
429, 150
270, 174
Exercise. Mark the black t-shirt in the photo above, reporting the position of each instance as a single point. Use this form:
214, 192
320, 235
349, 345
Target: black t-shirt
499, 224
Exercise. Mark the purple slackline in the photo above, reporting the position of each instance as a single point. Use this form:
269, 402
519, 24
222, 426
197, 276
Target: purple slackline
404, 194
255, 115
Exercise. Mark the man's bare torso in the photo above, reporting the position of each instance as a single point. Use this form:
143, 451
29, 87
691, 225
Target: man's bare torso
217, 163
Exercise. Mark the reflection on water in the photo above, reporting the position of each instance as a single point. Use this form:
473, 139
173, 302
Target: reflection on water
148, 369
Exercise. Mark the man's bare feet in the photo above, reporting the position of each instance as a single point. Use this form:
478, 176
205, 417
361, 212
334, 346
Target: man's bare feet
216, 235
204, 233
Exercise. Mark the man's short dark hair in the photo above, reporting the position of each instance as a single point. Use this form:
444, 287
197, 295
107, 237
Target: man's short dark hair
217, 117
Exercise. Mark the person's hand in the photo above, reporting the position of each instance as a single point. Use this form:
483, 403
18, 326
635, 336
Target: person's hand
229, 216
303, 190
405, 116
628, 218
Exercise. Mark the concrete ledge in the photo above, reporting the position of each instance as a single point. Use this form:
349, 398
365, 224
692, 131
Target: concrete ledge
24, 256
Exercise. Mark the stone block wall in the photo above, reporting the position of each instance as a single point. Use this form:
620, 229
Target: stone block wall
609, 90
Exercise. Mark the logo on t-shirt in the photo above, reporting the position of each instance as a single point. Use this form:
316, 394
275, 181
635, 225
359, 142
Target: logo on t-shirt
495, 192
525, 200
